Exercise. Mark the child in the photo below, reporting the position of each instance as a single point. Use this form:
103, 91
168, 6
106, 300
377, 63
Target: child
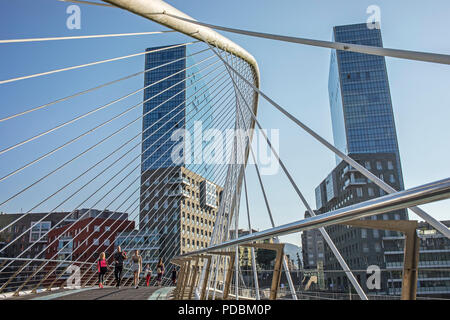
148, 274
102, 266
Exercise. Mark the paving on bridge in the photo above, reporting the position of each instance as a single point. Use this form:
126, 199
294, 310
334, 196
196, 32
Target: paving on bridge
107, 293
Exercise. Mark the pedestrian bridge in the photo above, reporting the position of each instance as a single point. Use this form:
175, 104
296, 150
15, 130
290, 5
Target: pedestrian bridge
189, 220
107, 293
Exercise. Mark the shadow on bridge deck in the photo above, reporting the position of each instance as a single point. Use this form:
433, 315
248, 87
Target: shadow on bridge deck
107, 293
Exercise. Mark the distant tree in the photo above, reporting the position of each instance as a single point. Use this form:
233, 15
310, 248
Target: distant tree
264, 257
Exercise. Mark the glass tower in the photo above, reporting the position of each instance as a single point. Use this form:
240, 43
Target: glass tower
176, 190
162, 104
360, 99
179, 102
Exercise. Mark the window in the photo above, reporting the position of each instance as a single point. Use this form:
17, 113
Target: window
365, 247
371, 192
390, 165
96, 228
377, 247
359, 192
391, 178
363, 233
106, 243
107, 228
379, 166
38, 230
367, 165
95, 242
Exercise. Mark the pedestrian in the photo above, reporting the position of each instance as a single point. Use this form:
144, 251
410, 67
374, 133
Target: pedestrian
119, 257
174, 276
136, 267
148, 274
102, 267
159, 272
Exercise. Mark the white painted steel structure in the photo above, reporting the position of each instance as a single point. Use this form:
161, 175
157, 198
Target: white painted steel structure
232, 84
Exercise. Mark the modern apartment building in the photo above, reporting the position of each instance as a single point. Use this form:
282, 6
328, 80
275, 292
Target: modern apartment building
434, 262
313, 247
86, 238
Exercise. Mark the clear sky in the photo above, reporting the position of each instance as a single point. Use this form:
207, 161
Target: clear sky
295, 76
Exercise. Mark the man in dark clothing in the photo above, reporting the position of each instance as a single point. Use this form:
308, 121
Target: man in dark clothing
174, 276
119, 257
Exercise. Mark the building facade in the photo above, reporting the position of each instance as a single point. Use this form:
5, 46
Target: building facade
180, 197
86, 238
313, 250
363, 128
35, 237
434, 262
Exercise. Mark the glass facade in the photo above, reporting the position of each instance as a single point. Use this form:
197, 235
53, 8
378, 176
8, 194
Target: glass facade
360, 100
186, 103
156, 142
364, 129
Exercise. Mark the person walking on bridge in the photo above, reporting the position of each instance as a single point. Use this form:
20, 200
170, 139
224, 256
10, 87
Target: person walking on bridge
102, 267
136, 267
159, 272
174, 276
148, 274
119, 257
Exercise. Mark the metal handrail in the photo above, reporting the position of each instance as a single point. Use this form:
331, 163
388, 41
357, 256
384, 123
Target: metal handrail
438, 190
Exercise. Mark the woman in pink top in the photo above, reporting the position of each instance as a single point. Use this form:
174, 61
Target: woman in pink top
102, 266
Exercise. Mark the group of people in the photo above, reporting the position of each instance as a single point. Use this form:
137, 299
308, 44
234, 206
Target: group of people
136, 267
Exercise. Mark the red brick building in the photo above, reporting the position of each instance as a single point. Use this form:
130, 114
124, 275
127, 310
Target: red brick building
88, 237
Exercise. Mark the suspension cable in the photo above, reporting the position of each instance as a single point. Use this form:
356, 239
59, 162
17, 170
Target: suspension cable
100, 86
90, 148
82, 65
85, 37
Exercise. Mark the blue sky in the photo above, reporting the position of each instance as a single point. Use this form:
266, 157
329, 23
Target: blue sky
295, 76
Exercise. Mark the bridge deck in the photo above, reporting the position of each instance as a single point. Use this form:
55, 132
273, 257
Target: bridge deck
107, 293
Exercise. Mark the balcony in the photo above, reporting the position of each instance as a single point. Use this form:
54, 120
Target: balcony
179, 180
178, 192
354, 182
348, 169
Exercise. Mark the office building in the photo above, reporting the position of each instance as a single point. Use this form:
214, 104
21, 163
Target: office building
313, 250
434, 262
179, 196
364, 129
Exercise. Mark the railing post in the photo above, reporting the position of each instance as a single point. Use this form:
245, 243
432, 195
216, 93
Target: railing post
226, 289
194, 278
279, 259
205, 282
410, 265
181, 264
186, 278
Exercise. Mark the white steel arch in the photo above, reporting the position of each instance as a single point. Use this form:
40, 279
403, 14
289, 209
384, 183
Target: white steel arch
158, 10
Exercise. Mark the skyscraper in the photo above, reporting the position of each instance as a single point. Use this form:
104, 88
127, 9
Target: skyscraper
363, 128
360, 99
179, 199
